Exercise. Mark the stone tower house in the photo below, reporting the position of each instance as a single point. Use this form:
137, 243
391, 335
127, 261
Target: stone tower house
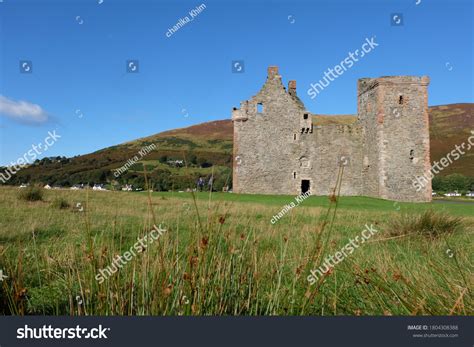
281, 148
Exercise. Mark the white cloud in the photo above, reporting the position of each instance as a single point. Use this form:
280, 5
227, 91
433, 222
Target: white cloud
22, 111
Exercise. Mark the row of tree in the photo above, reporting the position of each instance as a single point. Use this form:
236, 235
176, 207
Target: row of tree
453, 182
158, 180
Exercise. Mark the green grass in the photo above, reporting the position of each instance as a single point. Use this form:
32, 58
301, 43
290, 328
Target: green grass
31, 194
221, 255
155, 164
346, 203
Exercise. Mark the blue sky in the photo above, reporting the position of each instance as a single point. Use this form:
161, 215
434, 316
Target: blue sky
78, 51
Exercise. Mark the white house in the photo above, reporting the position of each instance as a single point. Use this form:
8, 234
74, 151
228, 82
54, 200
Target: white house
470, 194
127, 188
451, 194
98, 187
47, 186
176, 162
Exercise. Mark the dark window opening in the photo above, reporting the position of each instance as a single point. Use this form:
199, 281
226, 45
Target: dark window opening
412, 154
294, 174
305, 116
305, 186
259, 107
294, 137
302, 130
400, 100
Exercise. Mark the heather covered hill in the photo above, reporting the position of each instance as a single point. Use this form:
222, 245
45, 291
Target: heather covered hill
451, 125
207, 149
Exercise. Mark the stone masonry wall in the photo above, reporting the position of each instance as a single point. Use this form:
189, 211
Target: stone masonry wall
276, 146
368, 112
328, 148
265, 141
394, 113
405, 151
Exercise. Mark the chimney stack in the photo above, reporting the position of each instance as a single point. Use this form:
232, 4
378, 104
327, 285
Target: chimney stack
272, 71
292, 88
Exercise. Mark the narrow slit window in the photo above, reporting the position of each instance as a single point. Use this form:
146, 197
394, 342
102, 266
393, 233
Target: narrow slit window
294, 174
400, 100
294, 137
412, 154
259, 107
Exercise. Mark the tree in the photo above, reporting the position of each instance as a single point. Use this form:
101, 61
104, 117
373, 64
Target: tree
452, 182
192, 159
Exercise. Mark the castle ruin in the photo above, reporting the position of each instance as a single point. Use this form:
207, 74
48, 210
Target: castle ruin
281, 148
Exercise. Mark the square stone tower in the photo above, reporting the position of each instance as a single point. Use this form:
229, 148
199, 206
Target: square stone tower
393, 112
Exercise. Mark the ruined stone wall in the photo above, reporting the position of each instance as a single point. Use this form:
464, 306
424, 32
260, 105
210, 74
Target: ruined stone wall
265, 145
276, 145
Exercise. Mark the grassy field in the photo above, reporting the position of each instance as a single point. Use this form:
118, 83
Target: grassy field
221, 255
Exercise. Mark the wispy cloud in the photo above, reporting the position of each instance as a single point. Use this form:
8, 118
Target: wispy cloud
22, 111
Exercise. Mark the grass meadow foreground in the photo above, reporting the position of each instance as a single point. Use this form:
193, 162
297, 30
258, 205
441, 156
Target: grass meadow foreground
221, 255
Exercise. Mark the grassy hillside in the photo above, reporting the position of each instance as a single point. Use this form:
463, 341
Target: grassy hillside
207, 148
451, 125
